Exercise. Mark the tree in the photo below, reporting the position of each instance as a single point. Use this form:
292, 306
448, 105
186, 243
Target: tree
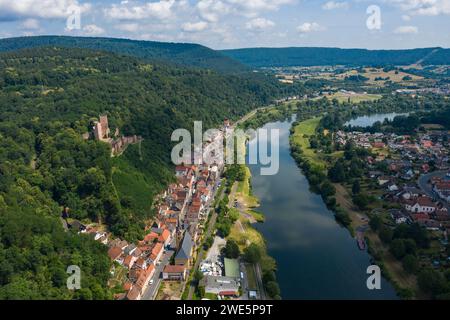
375, 223
431, 281
356, 187
327, 189
397, 248
337, 172
198, 276
361, 200
385, 234
208, 243
273, 289
231, 250
252, 253
410, 263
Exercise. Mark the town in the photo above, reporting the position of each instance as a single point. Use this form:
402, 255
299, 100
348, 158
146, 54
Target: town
173, 238
412, 173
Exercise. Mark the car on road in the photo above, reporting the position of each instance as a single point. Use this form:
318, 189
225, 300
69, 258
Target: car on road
150, 282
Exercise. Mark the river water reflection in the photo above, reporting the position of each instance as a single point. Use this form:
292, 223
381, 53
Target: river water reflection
316, 257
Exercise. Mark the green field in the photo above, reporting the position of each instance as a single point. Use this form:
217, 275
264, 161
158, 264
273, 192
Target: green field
357, 98
303, 131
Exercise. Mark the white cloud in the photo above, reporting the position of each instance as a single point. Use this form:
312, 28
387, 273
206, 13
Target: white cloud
212, 10
39, 9
423, 7
195, 26
406, 30
129, 27
308, 27
93, 30
331, 5
251, 8
127, 10
259, 24
30, 24
405, 17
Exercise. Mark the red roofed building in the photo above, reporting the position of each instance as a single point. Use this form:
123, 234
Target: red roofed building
165, 237
420, 205
129, 261
176, 273
157, 252
150, 238
134, 293
114, 253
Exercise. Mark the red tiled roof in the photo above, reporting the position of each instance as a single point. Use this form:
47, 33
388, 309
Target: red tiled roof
127, 286
157, 248
127, 261
134, 293
425, 201
114, 253
151, 237
164, 235
174, 269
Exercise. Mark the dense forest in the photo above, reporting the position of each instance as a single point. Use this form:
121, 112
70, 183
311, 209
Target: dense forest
187, 54
49, 97
285, 57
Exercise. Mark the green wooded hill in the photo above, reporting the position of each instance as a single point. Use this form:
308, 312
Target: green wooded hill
187, 54
49, 97
284, 57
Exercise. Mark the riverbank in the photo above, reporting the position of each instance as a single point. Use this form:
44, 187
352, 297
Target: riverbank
340, 201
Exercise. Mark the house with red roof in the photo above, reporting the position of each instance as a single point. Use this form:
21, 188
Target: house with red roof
114, 253
129, 261
174, 273
157, 252
420, 205
165, 237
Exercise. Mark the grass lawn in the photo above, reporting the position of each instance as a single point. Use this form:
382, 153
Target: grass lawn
355, 98
119, 277
301, 135
248, 234
243, 191
169, 290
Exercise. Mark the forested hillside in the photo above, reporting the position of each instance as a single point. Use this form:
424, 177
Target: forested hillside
284, 57
187, 54
49, 97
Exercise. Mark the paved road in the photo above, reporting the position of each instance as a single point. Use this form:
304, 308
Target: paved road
262, 292
424, 179
152, 290
426, 187
208, 233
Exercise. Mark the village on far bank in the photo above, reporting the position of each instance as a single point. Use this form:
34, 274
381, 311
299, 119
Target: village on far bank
161, 265
411, 176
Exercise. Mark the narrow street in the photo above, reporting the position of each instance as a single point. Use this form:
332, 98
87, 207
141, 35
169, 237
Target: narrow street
208, 233
152, 289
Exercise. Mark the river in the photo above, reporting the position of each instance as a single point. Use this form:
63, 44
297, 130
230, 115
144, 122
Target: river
366, 121
316, 257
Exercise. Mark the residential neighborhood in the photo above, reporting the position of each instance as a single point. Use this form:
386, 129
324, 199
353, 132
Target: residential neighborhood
411, 173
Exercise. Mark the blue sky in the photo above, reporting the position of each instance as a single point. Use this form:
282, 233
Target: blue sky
223, 24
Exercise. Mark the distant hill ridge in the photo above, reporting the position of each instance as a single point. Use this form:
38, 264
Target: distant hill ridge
313, 56
188, 54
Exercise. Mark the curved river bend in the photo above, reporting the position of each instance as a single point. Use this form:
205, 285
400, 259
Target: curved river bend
316, 257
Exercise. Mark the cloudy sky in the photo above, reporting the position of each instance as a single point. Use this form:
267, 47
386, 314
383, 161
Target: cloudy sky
373, 24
